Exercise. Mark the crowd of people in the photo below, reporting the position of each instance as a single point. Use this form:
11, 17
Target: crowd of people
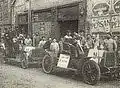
80, 42
13, 42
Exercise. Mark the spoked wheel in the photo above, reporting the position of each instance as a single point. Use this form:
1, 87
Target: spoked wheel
91, 72
24, 63
47, 64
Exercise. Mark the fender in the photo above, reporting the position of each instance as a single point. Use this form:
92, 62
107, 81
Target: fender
96, 59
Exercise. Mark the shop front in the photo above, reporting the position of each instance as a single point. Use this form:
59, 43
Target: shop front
22, 24
49, 18
68, 19
41, 22
55, 21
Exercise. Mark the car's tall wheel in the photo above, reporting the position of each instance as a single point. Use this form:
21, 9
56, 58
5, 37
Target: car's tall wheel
91, 72
47, 64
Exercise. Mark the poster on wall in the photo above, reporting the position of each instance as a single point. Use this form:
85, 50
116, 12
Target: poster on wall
115, 23
42, 28
100, 24
117, 6
99, 15
106, 24
101, 9
104, 15
98, 7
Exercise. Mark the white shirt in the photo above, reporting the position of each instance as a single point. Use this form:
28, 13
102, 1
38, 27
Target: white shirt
69, 37
41, 43
28, 42
54, 46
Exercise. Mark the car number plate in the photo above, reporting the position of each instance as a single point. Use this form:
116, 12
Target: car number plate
63, 61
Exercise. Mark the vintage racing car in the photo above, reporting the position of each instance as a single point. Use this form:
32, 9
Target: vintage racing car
25, 56
91, 66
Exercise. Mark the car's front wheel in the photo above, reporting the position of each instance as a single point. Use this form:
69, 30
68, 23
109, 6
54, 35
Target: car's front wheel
47, 64
91, 72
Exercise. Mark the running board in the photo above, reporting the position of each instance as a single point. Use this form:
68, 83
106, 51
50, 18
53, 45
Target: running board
68, 68
71, 69
13, 59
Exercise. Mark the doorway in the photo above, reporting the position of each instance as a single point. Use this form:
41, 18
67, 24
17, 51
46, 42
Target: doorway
71, 25
23, 29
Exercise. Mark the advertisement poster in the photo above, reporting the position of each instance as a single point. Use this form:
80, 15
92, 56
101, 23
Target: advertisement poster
104, 15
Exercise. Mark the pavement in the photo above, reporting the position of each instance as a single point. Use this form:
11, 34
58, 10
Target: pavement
12, 76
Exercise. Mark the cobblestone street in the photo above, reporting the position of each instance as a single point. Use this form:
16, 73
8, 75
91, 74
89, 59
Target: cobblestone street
15, 77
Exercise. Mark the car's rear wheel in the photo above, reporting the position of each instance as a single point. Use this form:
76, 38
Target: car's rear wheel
47, 64
91, 72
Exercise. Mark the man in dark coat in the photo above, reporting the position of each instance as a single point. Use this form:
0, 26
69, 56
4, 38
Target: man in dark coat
47, 44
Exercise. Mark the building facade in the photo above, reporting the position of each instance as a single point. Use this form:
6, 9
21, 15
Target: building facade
50, 18
5, 15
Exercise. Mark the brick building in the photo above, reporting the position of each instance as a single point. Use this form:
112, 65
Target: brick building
5, 14
50, 18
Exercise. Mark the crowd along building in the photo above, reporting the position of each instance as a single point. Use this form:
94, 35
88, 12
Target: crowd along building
50, 18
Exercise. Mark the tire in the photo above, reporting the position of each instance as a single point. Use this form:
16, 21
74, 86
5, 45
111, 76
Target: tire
91, 72
47, 64
24, 62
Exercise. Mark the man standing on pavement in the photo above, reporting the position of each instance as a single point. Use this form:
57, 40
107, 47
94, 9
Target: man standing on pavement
42, 42
111, 44
46, 46
54, 47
